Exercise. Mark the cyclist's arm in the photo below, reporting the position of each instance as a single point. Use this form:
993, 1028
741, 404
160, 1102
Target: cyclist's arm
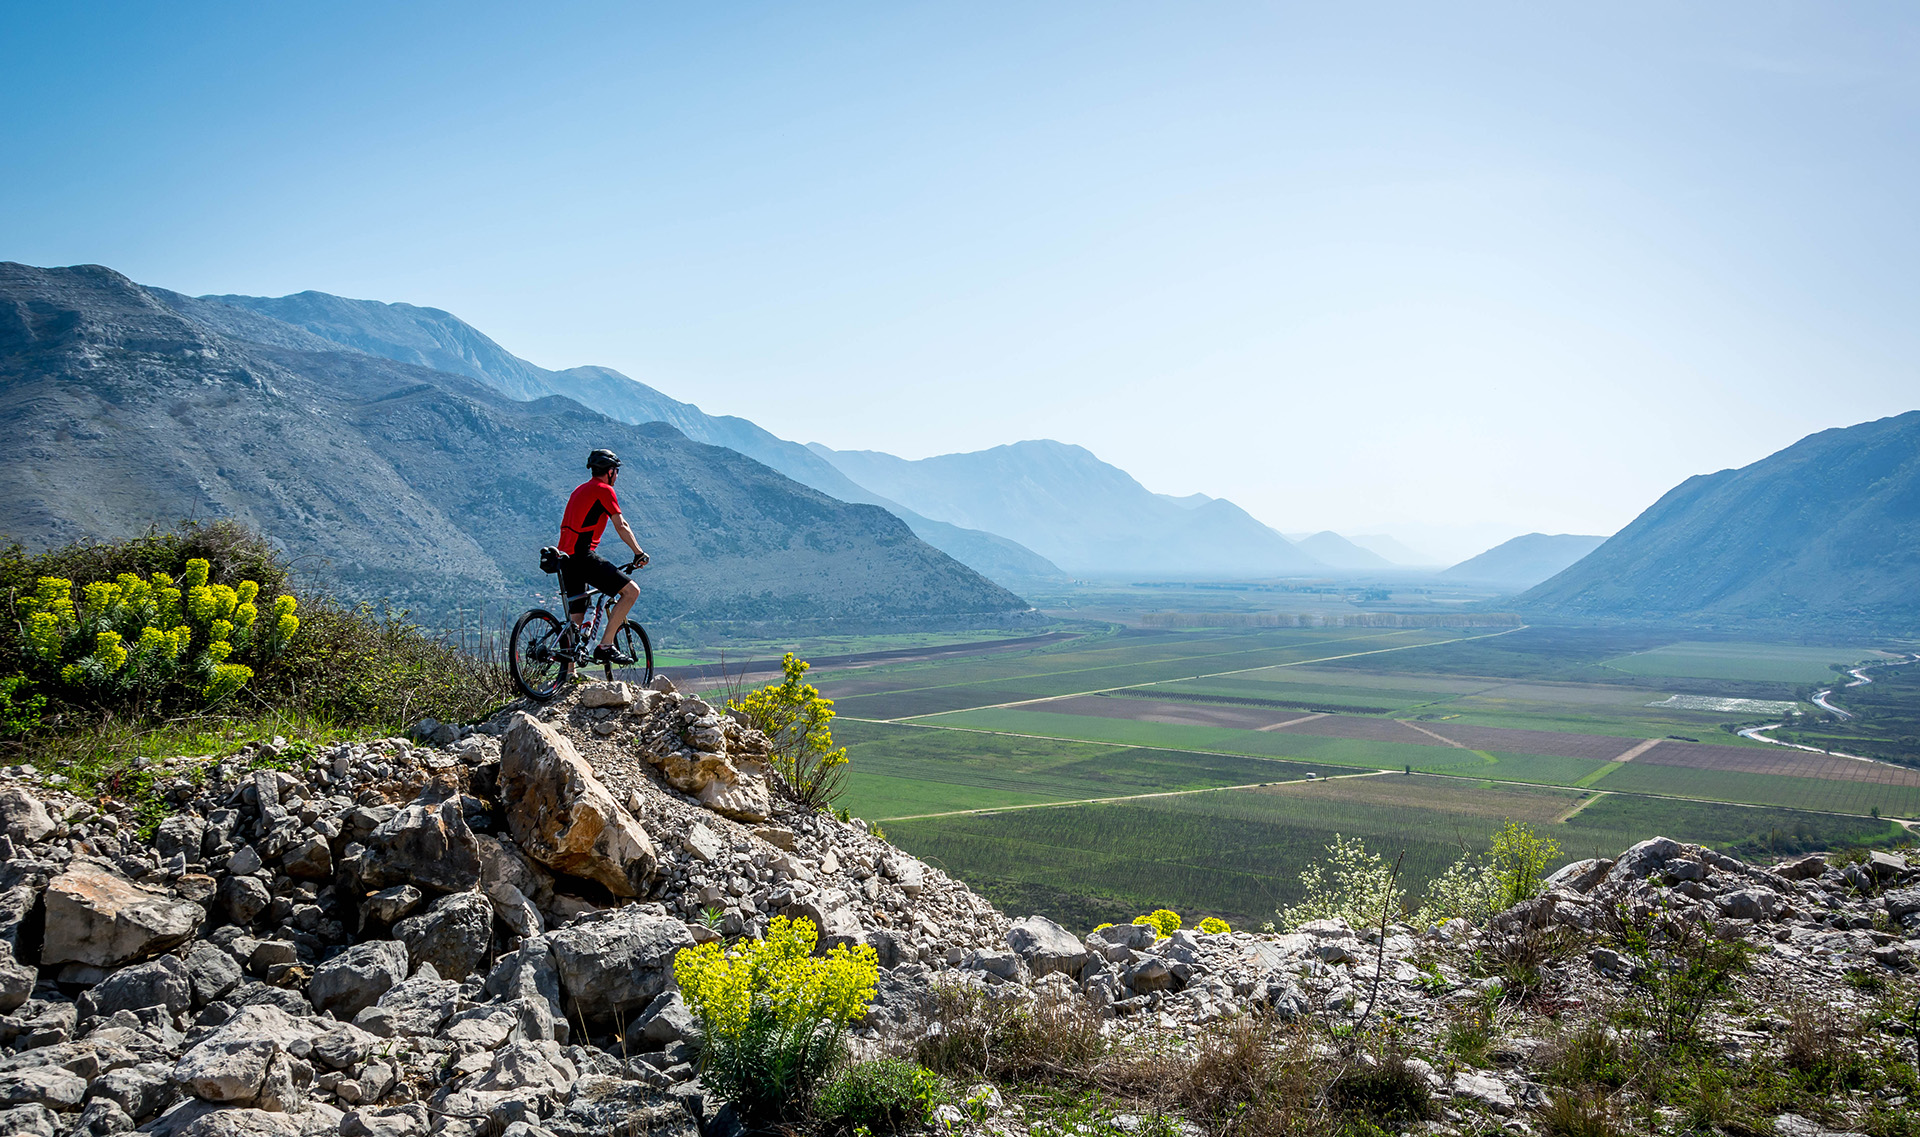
626, 534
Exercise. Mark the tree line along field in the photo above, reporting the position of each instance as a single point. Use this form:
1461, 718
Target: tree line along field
1142, 799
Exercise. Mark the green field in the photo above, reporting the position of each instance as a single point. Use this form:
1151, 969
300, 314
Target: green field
1100, 814
1760, 663
900, 771
1238, 853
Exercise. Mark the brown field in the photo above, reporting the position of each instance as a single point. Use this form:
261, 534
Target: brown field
1595, 747
1789, 763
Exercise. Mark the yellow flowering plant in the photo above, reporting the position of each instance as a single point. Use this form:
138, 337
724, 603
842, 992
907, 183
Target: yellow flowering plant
772, 1014
795, 716
1164, 920
145, 637
1214, 925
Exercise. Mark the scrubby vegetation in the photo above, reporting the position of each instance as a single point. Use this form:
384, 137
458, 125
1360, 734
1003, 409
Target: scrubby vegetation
773, 1016
797, 719
195, 639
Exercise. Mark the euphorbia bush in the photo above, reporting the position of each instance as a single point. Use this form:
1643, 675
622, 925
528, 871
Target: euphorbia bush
773, 1015
151, 637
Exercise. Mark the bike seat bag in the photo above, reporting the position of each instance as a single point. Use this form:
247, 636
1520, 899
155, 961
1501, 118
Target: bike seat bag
552, 560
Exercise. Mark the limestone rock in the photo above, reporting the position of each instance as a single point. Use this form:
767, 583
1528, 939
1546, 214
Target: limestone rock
356, 978
95, 917
1047, 947
22, 817
453, 934
248, 1061
164, 982
427, 843
606, 694
616, 962
563, 817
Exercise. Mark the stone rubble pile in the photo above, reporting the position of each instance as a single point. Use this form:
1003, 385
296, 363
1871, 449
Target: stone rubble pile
476, 935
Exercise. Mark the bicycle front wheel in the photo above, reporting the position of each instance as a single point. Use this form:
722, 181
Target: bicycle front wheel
632, 640
536, 655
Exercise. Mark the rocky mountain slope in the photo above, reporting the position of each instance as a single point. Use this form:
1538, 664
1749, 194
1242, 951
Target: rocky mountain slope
1825, 531
1525, 560
475, 936
430, 337
131, 407
1079, 512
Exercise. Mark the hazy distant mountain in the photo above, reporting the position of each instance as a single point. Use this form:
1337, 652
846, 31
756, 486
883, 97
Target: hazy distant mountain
1077, 511
440, 340
1524, 561
1394, 550
127, 406
1335, 551
1825, 531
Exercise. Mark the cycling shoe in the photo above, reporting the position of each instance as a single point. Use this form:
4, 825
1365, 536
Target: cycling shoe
607, 653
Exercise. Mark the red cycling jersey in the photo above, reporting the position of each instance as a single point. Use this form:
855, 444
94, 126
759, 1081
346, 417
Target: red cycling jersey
588, 511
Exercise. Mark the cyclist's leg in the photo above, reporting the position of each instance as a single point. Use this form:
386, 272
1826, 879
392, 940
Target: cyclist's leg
623, 604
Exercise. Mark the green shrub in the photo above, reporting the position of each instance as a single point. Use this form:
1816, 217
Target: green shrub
796, 717
144, 634
880, 1096
1475, 888
772, 1015
1362, 890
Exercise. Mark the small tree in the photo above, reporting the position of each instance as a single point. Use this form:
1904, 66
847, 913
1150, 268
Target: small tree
1362, 887
795, 717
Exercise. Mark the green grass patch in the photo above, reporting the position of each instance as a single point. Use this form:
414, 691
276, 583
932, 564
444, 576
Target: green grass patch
898, 771
1752, 662
1743, 831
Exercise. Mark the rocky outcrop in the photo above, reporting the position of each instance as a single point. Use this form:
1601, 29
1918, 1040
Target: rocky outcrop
458, 971
97, 917
563, 817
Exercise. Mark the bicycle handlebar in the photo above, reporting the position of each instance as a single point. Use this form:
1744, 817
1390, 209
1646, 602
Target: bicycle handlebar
638, 562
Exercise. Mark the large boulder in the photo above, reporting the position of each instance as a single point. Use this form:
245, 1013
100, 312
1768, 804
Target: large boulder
427, 843
22, 817
250, 1060
356, 978
164, 982
617, 961
1647, 858
1046, 946
453, 934
563, 817
97, 918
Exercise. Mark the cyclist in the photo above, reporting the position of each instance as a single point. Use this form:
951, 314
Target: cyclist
589, 509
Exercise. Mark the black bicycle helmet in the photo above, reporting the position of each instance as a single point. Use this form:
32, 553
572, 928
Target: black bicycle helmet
600, 461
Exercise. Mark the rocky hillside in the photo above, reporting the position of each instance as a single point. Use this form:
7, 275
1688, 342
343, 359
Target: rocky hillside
474, 935
430, 337
130, 407
1825, 531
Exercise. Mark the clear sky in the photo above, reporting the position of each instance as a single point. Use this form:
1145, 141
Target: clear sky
1452, 271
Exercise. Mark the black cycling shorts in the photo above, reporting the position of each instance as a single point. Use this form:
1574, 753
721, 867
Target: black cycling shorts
590, 570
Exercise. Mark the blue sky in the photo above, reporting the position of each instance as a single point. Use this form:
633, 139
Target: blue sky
1449, 271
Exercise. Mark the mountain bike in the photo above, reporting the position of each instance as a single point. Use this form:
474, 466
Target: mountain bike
546, 650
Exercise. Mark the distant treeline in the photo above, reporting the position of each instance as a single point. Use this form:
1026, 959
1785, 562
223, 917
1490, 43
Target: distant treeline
1334, 620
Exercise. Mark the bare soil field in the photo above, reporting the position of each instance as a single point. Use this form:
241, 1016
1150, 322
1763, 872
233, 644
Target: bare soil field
1787, 763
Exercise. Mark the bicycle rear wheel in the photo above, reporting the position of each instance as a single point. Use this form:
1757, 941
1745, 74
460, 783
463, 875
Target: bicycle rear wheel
536, 655
632, 640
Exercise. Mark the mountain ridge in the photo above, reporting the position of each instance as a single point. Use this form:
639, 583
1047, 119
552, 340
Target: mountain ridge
416, 484
1827, 529
436, 338
1083, 514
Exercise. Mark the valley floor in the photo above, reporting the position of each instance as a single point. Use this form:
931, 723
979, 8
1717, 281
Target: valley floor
1094, 776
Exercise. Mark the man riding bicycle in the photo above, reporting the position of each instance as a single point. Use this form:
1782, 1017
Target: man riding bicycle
589, 509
